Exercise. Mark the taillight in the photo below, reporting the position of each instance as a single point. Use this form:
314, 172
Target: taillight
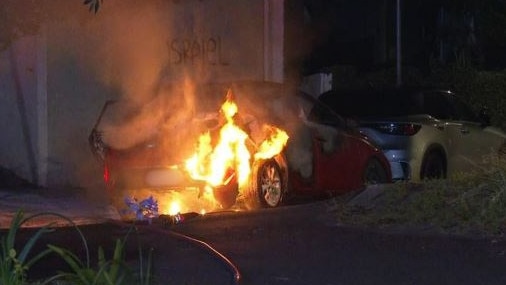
400, 129
107, 174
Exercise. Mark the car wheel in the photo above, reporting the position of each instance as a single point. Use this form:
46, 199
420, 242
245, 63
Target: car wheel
375, 172
267, 187
433, 166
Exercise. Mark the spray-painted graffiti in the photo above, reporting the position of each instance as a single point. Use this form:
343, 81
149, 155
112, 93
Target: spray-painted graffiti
196, 51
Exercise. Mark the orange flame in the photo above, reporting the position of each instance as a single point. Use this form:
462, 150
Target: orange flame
273, 145
212, 164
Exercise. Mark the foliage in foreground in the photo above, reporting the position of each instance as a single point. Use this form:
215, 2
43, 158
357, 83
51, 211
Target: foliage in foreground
468, 203
15, 264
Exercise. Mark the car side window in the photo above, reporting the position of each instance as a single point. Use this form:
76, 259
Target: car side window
436, 105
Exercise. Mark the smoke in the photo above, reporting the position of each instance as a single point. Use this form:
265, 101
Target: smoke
279, 105
139, 51
127, 51
130, 53
160, 57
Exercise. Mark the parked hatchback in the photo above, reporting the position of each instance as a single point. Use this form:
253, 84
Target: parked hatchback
424, 133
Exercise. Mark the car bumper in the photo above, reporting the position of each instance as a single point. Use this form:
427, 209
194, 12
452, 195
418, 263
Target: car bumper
168, 178
169, 185
399, 164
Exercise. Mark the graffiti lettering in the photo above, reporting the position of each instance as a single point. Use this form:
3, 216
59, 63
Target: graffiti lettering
196, 51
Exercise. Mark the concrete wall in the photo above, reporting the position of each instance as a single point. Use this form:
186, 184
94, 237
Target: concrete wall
75, 97
224, 40
19, 121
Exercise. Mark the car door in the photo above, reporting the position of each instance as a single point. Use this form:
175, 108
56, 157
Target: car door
335, 162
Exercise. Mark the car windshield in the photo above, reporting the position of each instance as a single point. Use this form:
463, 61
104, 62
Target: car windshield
321, 112
373, 104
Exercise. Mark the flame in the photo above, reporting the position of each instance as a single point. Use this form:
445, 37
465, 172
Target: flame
212, 164
234, 150
189, 199
174, 208
273, 145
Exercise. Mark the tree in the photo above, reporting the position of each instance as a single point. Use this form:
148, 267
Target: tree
480, 34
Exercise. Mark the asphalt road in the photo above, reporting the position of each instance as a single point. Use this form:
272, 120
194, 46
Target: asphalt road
298, 244
302, 244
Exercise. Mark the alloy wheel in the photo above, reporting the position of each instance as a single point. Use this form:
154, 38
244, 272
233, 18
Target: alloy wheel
270, 184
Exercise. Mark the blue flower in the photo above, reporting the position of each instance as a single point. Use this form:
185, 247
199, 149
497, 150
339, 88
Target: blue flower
145, 209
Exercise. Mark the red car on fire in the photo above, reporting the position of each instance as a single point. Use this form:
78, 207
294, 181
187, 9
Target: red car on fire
145, 148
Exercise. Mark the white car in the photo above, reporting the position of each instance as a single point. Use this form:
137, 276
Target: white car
424, 133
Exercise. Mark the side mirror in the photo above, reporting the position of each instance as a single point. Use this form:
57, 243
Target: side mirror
484, 117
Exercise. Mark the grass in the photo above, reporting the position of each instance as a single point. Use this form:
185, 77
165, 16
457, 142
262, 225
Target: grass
471, 203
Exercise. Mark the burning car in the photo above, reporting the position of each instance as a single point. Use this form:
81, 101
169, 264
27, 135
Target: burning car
256, 149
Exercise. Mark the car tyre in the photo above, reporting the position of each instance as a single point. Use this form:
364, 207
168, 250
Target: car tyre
375, 172
433, 166
268, 186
